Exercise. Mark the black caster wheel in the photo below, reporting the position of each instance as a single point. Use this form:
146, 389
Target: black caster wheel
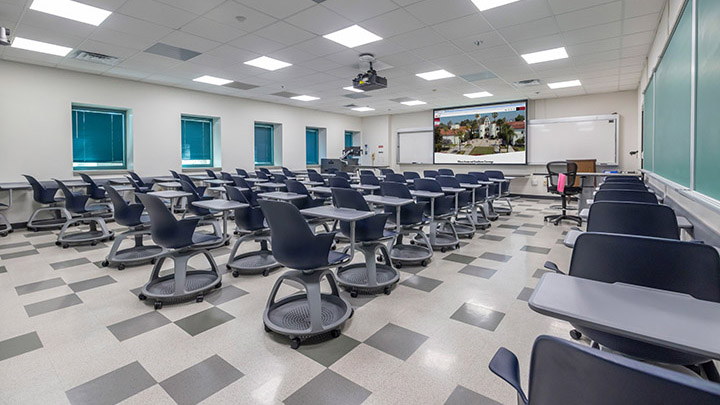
227, 267
443, 250
398, 265
412, 242
379, 258
93, 243
105, 263
34, 230
335, 333
218, 285
295, 343
267, 330
575, 334
158, 305
227, 243
458, 246
236, 273
354, 293
266, 273
387, 290
111, 238
58, 243
121, 267
153, 261
199, 298
424, 263
332, 248
352, 312
65, 246
142, 297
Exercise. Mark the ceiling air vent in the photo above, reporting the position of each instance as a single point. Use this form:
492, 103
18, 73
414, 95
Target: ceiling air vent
527, 83
95, 58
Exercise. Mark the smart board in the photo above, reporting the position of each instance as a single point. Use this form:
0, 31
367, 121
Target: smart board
588, 137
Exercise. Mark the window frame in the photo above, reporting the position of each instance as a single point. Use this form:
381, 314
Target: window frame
126, 143
271, 127
198, 118
316, 133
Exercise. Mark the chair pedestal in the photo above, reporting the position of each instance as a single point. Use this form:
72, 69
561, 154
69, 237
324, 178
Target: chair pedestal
182, 284
369, 277
5, 226
443, 235
307, 314
134, 255
412, 253
60, 216
259, 261
91, 236
464, 224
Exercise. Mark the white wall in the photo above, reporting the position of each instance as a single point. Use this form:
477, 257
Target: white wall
623, 103
36, 124
375, 134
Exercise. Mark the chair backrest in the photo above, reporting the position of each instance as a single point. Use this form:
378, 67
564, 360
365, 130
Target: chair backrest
211, 174
395, 177
367, 173
632, 218
287, 172
411, 175
684, 267
294, 186
312, 171
479, 176
369, 180
174, 174
563, 372
445, 172
93, 190
430, 173
626, 195
165, 228
73, 202
293, 243
386, 171
393, 189
448, 181
262, 175
248, 218
554, 169
135, 185
226, 176
194, 196
41, 194
137, 179
428, 185
339, 182
185, 178
466, 178
343, 175
125, 214
279, 178
624, 186
349, 198
497, 174
265, 170
242, 173
623, 179
315, 176
240, 182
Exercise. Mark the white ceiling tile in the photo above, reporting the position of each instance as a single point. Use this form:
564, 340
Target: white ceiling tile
479, 41
358, 11
417, 39
233, 54
109, 5
594, 57
439, 50
212, 61
279, 8
292, 55
564, 6
124, 73
532, 29
156, 12
107, 49
122, 39
256, 44
134, 27
148, 62
320, 46
393, 23
594, 33
639, 24
640, 38
47, 34
538, 44
640, 50
465, 26
188, 41
380, 48
320, 64
21, 55
194, 6
636, 8
434, 12
228, 12
284, 33
402, 59
212, 30
587, 17
10, 12
57, 24
515, 14
319, 20
595, 46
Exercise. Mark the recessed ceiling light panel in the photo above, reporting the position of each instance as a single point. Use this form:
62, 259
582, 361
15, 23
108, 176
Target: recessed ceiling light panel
305, 98
435, 75
479, 94
353, 89
363, 109
483, 5
37, 46
212, 80
266, 63
562, 85
545, 56
71, 10
413, 102
353, 36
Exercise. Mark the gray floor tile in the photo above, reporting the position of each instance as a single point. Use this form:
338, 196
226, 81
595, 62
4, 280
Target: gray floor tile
539, 272
14, 245
328, 388
92, 283
87, 248
396, 341
329, 351
426, 284
536, 249
493, 238
39, 286
52, 304
44, 245
527, 233
464, 396
200, 381
525, 294
35, 234
225, 294
198, 323
136, 291
479, 316
533, 226
69, 263
506, 226
358, 301
478, 271
19, 345
15, 255
457, 258
523, 216
496, 257
138, 325
3, 269
113, 387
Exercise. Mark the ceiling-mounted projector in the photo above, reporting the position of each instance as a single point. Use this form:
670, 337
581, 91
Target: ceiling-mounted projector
4, 36
369, 80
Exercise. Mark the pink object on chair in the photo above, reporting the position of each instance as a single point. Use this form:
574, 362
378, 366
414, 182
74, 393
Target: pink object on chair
562, 178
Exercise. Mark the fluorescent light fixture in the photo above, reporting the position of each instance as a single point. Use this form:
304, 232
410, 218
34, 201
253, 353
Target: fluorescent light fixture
435, 75
212, 80
479, 94
413, 102
71, 10
483, 5
545, 56
37, 46
305, 98
266, 63
562, 85
363, 109
353, 89
353, 36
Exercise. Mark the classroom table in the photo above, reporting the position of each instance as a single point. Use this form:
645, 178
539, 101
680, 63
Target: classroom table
340, 214
365, 187
118, 180
172, 195
664, 318
390, 202
272, 185
433, 223
282, 196
225, 206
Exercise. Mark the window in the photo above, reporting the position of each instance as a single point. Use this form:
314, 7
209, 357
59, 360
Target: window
348, 139
197, 142
312, 146
264, 145
99, 138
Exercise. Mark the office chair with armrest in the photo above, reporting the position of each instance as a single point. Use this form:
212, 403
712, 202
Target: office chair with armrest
309, 258
412, 221
182, 241
45, 196
76, 204
443, 209
563, 372
569, 169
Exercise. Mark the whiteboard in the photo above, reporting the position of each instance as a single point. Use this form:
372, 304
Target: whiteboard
590, 137
415, 146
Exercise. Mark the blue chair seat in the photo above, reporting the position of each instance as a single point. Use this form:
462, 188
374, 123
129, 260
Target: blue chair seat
201, 238
336, 257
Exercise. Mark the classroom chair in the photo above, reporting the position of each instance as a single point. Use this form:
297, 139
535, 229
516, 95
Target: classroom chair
316, 177
569, 170
94, 191
263, 175
626, 195
288, 173
412, 221
411, 175
503, 191
45, 196
226, 176
294, 186
309, 258
175, 174
623, 179
242, 173
367, 173
199, 190
386, 171
444, 209
623, 186
5, 225
206, 216
430, 174
445, 172
493, 193
563, 372
140, 182
239, 181
183, 242
370, 180
76, 204
339, 182
464, 224
211, 174
343, 175
481, 194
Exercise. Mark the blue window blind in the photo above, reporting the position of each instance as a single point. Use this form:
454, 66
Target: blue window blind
348, 139
264, 145
312, 146
99, 138
197, 142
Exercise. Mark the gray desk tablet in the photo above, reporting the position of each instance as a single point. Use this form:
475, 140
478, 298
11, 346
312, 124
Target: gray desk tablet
664, 318
200, 177
282, 196
221, 205
161, 179
684, 223
120, 189
170, 184
217, 182
172, 195
75, 183
320, 190
272, 185
432, 196
365, 187
390, 202
9, 187
341, 214
312, 183
118, 180
253, 180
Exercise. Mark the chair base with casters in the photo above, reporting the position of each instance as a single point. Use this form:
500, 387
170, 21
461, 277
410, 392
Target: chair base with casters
503, 210
60, 216
412, 253
220, 239
306, 314
91, 236
557, 218
256, 262
464, 227
446, 236
183, 284
5, 226
137, 254
369, 277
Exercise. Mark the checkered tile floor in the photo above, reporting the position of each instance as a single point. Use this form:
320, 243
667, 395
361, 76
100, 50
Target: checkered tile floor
75, 332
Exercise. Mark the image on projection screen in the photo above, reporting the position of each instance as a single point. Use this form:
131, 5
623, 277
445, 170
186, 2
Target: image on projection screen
482, 134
